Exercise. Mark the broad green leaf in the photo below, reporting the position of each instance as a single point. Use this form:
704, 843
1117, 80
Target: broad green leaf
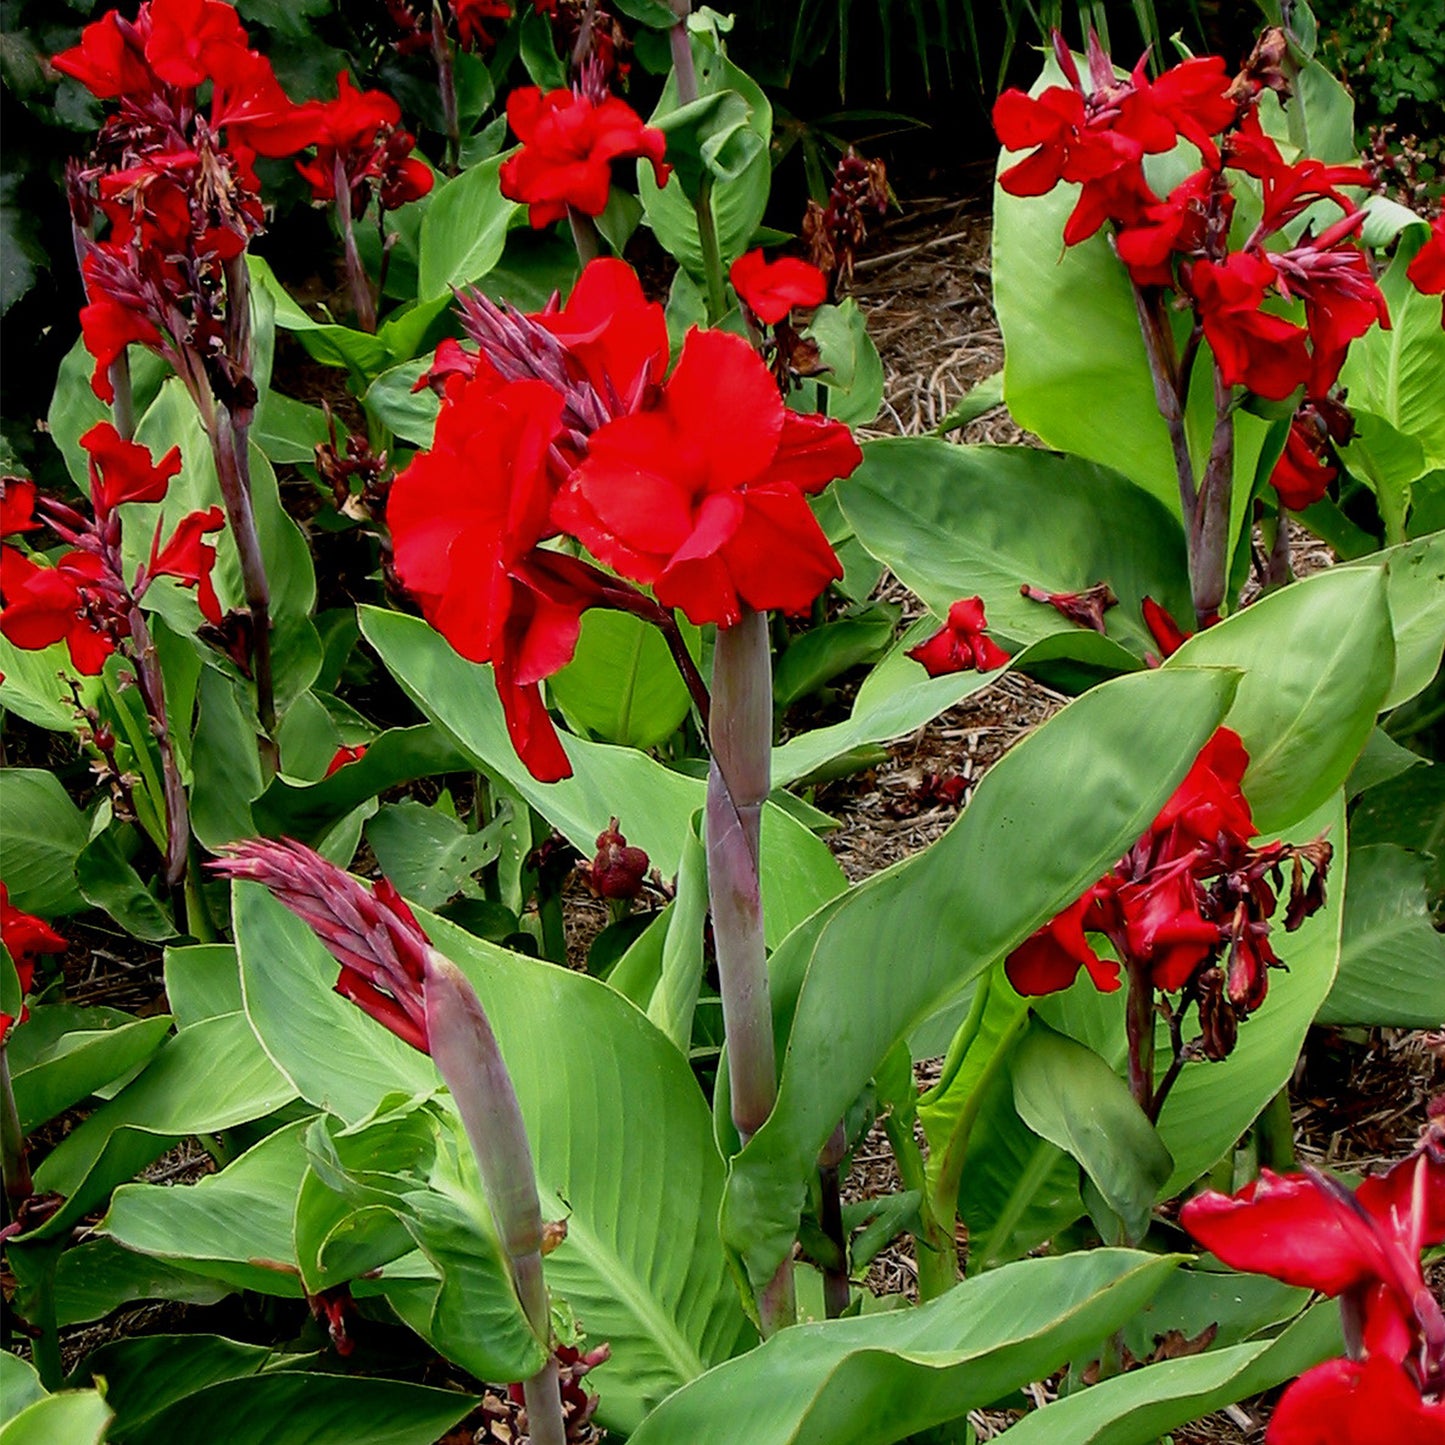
619, 1130
98, 1276
710, 135
1070, 1096
288, 431
799, 873
738, 204
19, 1386
41, 835
1392, 961
1415, 586
1317, 659
209, 1077
233, 1226
407, 328
674, 1000
854, 375
78, 1417
31, 686
329, 343
75, 408
955, 521
471, 1312
1388, 461
1240, 1306
202, 982
429, 856
144, 1375
62, 1054
622, 683
307, 811
1382, 759
1408, 810
288, 1407
1144, 1405
226, 765
885, 1377
863, 972
107, 879
1075, 370
817, 656
465, 229
391, 400
977, 1056
1396, 373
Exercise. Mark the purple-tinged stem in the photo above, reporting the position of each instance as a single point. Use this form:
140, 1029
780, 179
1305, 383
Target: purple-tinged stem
359, 283
1168, 389
1139, 1027
740, 739
441, 49
1209, 529
836, 1289
152, 690
466, 1054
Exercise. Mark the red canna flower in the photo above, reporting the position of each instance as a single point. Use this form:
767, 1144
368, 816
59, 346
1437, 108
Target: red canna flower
188, 559
568, 145
107, 328
770, 289
1178, 226
472, 16
191, 39
1253, 348
1209, 805
1426, 273
45, 605
1309, 1230
108, 61
122, 471
1303, 471
465, 520
1050, 959
17, 506
962, 645
26, 937
703, 495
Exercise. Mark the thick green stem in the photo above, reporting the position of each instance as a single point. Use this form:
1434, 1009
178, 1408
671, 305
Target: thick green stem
466, 1054
1275, 1130
937, 1254
1139, 1026
153, 692
741, 741
123, 407
585, 235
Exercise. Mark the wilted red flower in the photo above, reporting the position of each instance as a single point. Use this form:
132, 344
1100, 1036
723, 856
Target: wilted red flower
17, 506
962, 644
703, 494
465, 519
471, 17
1087, 608
26, 937
123, 471
617, 870
568, 145
770, 289
1426, 273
